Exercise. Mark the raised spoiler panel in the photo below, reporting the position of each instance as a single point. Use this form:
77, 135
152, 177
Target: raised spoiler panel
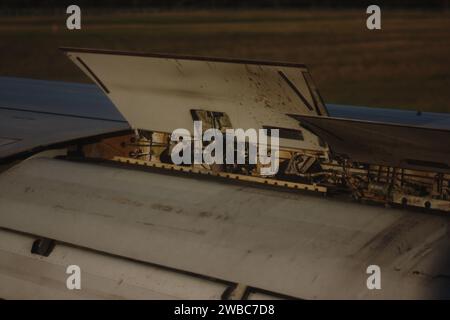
157, 92
383, 143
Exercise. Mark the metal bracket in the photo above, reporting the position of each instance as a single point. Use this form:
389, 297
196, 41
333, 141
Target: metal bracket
43, 246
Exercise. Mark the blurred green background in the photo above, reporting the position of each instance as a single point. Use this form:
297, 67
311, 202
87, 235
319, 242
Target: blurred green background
404, 65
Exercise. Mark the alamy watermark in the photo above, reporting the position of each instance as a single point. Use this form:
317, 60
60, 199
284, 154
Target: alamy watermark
73, 22
73, 281
241, 147
374, 280
373, 22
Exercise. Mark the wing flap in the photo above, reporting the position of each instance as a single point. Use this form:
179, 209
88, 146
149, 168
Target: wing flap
383, 143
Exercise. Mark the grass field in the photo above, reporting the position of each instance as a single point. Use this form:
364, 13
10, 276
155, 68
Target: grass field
405, 65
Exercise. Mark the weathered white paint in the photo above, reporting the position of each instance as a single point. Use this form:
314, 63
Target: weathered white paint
24, 275
157, 93
289, 243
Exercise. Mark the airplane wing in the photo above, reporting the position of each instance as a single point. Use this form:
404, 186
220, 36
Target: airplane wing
383, 143
388, 115
37, 114
291, 244
178, 236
